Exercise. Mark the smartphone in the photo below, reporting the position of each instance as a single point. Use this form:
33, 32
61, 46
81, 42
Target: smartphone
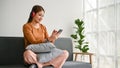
60, 30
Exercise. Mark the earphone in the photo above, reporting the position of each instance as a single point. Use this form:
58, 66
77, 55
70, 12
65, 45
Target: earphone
33, 14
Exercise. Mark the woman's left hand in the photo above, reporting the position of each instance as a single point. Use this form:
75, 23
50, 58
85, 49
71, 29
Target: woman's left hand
54, 36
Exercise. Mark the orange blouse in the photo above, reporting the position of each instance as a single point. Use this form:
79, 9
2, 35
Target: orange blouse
34, 35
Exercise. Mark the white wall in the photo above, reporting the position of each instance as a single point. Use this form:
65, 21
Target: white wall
59, 14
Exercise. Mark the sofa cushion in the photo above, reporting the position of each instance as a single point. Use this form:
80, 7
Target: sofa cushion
76, 64
11, 50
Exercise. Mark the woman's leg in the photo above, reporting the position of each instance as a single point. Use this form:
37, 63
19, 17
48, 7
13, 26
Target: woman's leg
60, 60
56, 62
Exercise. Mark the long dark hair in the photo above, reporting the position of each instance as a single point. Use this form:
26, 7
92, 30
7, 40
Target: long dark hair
35, 9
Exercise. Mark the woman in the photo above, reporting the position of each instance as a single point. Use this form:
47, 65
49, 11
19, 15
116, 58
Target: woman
35, 33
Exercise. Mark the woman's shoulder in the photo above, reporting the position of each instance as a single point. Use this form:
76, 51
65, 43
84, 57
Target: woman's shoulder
27, 25
43, 26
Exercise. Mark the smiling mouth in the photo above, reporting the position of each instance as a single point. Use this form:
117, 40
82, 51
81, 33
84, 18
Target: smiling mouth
39, 19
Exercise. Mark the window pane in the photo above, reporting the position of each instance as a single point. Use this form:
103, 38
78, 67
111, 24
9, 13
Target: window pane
118, 16
118, 29
91, 22
92, 39
104, 3
118, 43
119, 62
118, 1
106, 43
106, 19
90, 5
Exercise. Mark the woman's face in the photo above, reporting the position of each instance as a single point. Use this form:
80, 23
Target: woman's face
38, 16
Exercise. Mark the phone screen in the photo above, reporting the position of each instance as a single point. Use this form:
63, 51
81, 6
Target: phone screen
60, 30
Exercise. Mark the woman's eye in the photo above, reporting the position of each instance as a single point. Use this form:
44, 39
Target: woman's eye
41, 15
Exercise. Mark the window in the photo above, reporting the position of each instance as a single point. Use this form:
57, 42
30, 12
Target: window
103, 31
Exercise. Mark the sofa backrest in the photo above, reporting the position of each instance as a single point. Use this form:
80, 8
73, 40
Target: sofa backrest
12, 48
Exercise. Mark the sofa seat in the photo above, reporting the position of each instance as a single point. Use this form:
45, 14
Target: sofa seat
68, 64
13, 66
74, 64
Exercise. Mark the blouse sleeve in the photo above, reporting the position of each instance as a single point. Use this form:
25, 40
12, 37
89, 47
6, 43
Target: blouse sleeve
46, 33
27, 30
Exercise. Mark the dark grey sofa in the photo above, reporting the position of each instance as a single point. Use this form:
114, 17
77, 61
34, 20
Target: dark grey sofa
12, 48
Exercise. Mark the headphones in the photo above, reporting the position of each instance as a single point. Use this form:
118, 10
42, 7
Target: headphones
33, 14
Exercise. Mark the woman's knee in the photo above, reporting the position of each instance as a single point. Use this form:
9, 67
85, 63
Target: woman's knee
66, 53
30, 52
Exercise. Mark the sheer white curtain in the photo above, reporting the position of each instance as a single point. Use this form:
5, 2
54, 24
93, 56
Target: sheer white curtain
102, 22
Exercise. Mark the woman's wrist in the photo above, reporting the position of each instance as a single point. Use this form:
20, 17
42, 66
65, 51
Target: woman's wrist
47, 40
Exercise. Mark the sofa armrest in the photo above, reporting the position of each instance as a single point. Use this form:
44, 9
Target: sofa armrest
65, 44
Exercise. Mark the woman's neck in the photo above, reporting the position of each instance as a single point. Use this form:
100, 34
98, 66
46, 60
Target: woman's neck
36, 25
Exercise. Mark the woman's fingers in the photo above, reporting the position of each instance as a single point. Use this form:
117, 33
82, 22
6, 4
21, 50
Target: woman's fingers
27, 58
30, 57
34, 58
54, 36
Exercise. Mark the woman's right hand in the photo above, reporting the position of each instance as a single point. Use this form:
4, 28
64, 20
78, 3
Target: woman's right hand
30, 57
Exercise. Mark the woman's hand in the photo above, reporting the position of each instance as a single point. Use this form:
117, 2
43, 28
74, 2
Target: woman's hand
54, 36
30, 57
